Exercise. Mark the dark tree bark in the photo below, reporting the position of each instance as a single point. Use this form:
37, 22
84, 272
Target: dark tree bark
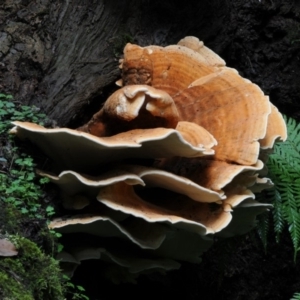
60, 55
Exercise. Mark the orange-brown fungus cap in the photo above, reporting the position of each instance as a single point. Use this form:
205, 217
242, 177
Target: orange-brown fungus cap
173, 68
133, 107
210, 57
80, 151
169, 207
234, 110
276, 129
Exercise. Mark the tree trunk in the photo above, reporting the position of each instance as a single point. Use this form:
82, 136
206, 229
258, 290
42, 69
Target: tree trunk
62, 56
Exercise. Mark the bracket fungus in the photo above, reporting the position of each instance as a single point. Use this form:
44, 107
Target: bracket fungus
173, 158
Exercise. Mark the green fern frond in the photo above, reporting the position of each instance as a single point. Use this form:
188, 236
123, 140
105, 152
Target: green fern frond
293, 132
278, 214
296, 296
263, 224
293, 219
284, 170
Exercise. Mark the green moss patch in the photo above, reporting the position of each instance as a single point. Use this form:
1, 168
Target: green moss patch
30, 275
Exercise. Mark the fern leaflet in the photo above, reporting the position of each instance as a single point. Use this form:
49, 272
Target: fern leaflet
284, 170
296, 296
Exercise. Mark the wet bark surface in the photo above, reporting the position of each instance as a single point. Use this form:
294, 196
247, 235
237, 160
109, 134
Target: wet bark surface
62, 56
262, 41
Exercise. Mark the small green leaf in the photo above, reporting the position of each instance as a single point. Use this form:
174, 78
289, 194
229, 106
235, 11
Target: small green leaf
49, 208
44, 180
24, 210
80, 288
60, 247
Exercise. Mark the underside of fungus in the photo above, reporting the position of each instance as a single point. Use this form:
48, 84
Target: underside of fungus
174, 157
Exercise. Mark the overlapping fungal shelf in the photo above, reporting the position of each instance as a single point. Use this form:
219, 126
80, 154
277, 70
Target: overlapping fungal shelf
173, 158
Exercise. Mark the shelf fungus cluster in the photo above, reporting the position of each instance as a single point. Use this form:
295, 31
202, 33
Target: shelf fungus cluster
173, 158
